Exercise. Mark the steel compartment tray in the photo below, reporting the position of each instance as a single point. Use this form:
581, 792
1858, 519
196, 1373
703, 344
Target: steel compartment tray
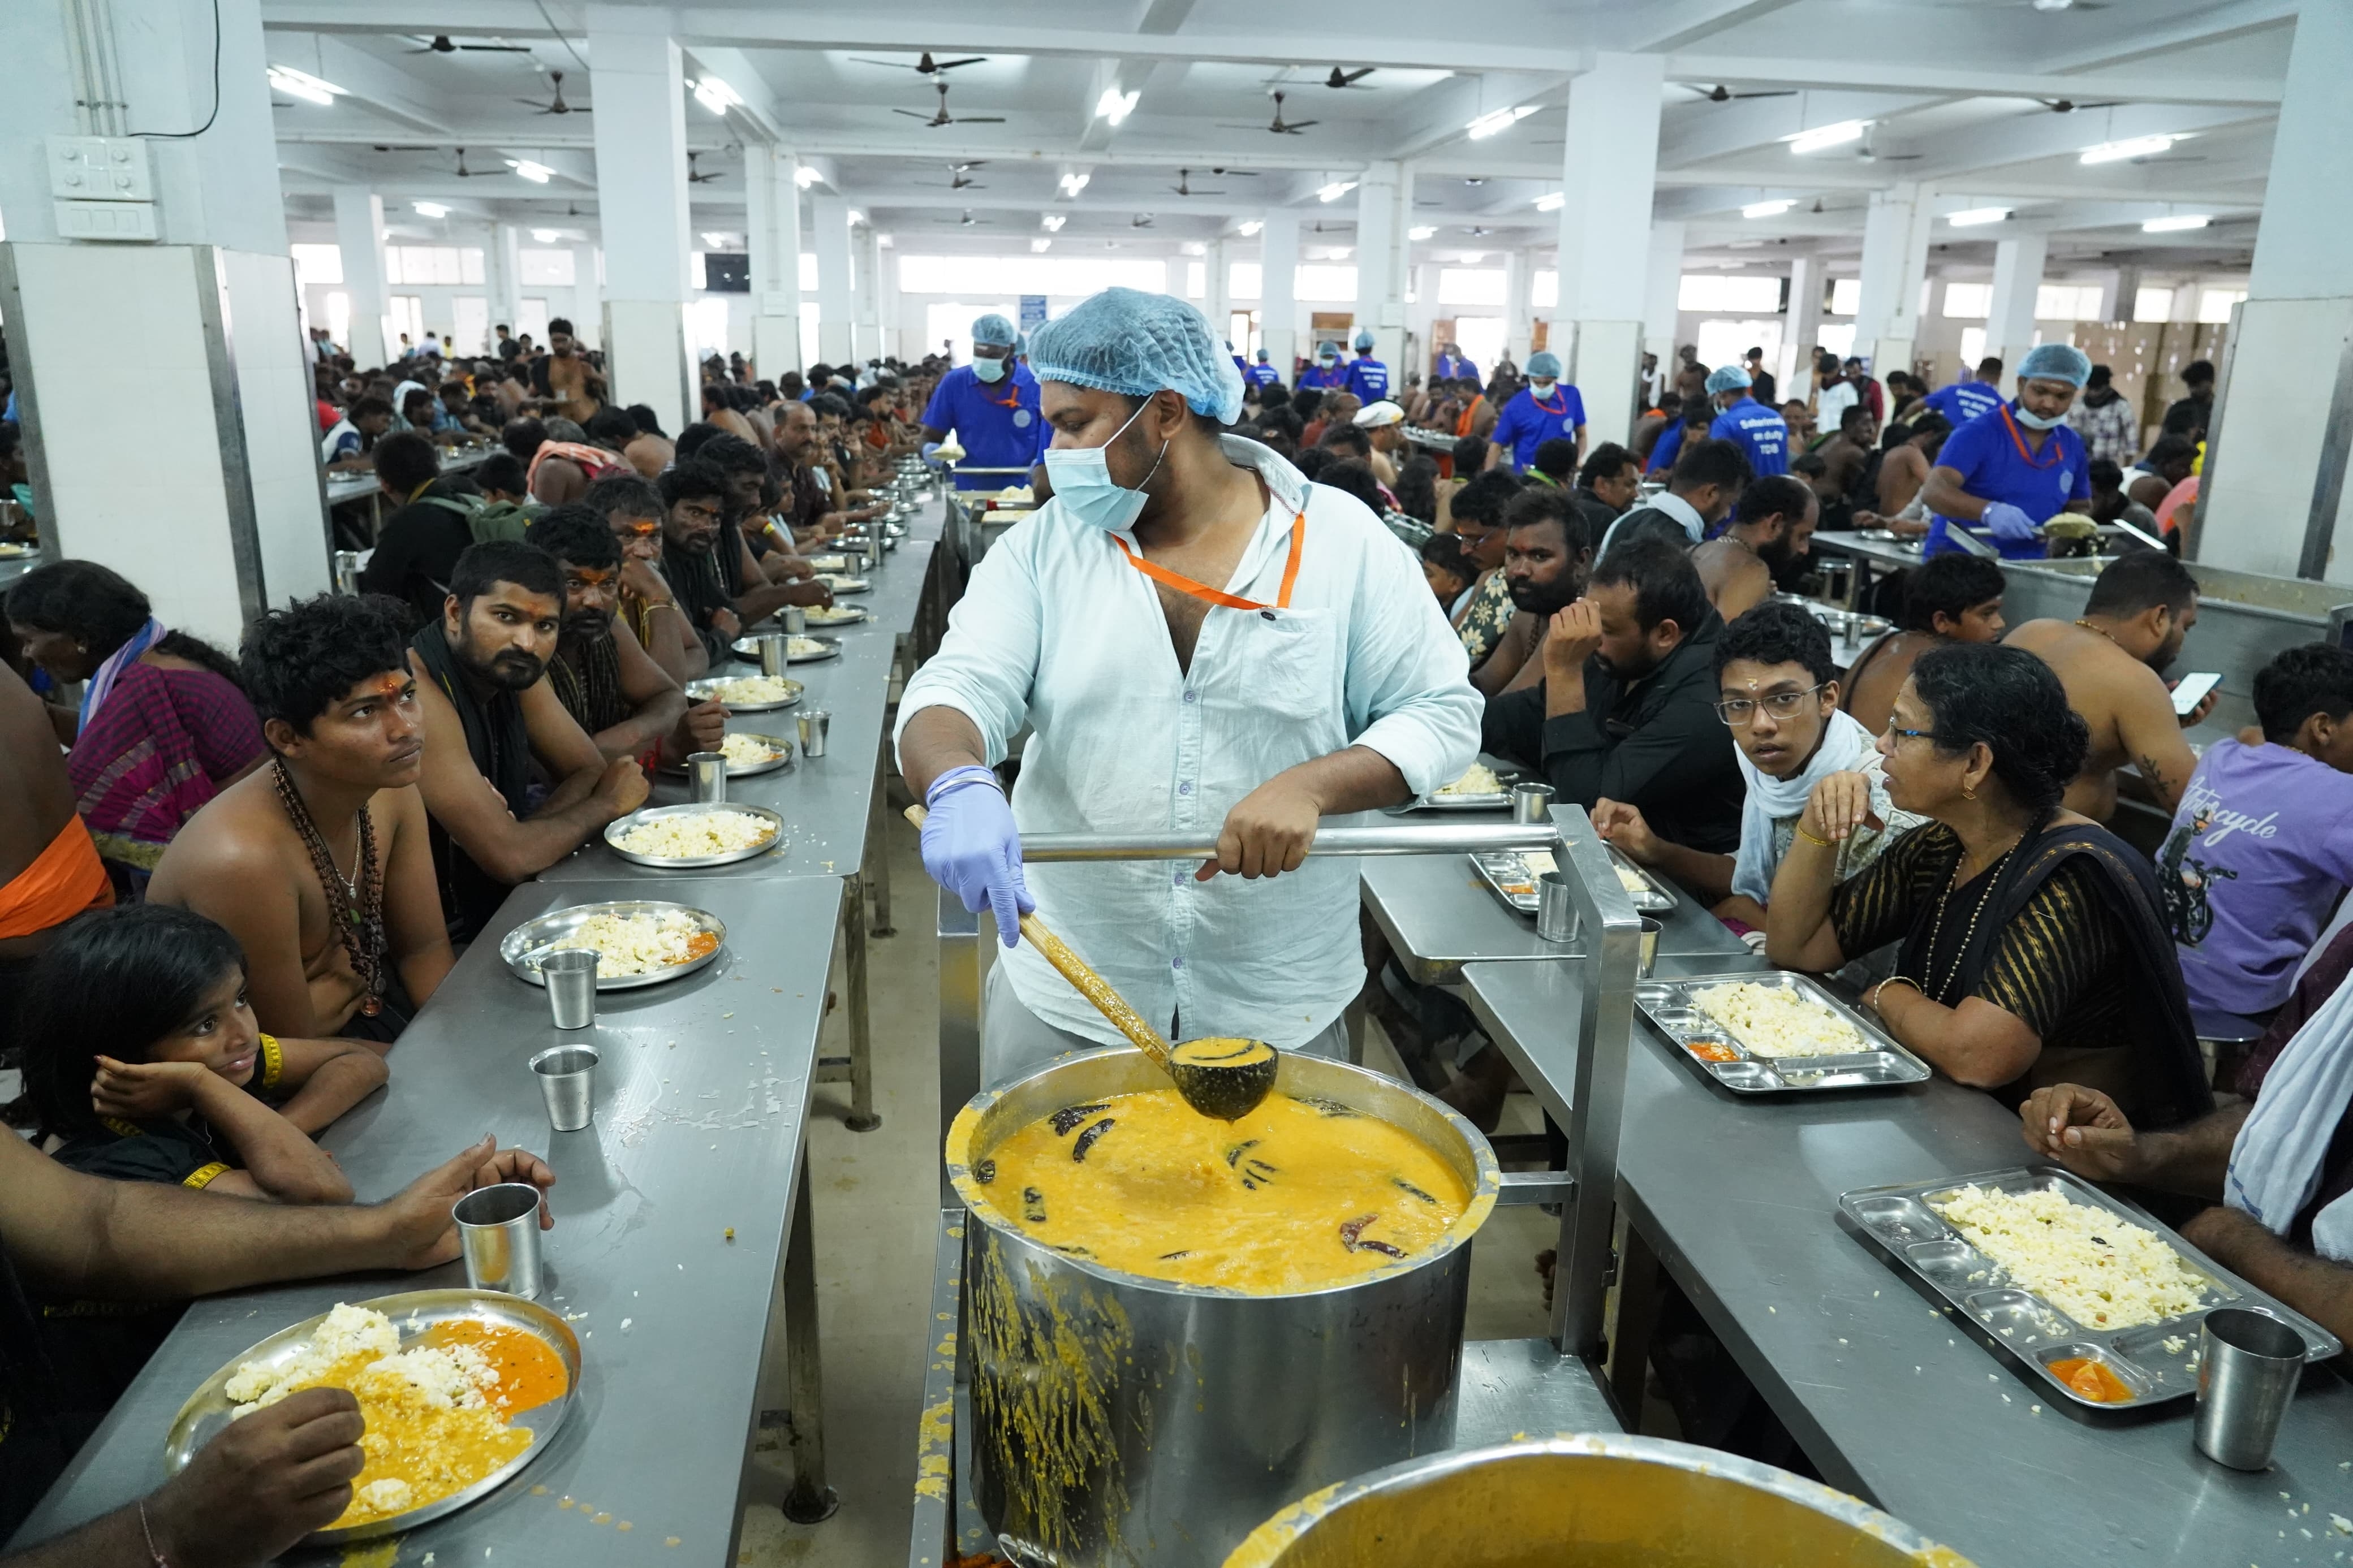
1882, 1063
522, 947
413, 1313
1505, 869
2022, 1329
614, 829
709, 688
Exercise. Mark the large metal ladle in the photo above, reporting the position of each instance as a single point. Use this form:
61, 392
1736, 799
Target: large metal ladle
1223, 1078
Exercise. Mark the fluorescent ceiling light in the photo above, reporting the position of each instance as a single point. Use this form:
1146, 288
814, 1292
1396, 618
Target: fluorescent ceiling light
1549, 201
303, 85
716, 95
429, 209
2133, 147
1420, 231
885, 241
1053, 222
1248, 228
550, 236
1774, 208
856, 217
1117, 106
1040, 246
713, 241
805, 176
2176, 225
1970, 217
1502, 119
536, 173
1823, 136
1073, 182
1335, 190
1194, 247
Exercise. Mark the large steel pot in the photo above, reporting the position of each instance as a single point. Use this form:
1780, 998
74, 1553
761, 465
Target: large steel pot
1592, 1501
1120, 1422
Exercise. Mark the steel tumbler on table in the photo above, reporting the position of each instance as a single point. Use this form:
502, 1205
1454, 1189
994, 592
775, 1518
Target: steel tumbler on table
1532, 802
498, 1229
1555, 910
772, 653
2248, 1364
567, 1081
796, 621
813, 724
706, 772
570, 976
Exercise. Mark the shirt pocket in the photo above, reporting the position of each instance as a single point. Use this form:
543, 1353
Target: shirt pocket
1286, 666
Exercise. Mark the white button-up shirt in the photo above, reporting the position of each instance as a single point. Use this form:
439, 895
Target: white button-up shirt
1057, 629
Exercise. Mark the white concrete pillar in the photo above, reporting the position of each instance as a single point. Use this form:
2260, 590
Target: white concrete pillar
1663, 286
1895, 264
772, 203
1519, 306
221, 514
1380, 273
1278, 306
2016, 278
1421, 321
1217, 294
2277, 500
587, 298
888, 304
867, 250
829, 214
1794, 368
2185, 298
502, 274
1608, 170
359, 238
640, 125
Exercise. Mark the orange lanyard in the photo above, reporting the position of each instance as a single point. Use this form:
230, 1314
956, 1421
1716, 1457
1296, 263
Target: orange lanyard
2050, 442
1012, 399
1202, 591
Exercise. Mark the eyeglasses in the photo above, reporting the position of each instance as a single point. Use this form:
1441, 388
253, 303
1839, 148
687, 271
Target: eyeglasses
1741, 711
1913, 734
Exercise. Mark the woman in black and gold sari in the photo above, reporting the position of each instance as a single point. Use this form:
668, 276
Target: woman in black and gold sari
2033, 948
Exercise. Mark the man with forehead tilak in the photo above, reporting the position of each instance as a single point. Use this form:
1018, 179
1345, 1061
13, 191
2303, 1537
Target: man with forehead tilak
1202, 642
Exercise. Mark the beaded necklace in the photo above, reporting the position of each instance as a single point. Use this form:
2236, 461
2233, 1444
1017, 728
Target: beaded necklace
354, 904
1937, 928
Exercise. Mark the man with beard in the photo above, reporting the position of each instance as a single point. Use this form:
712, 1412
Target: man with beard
491, 715
1547, 553
1626, 709
1707, 477
1772, 523
632, 511
766, 553
721, 590
603, 679
800, 457
563, 376
320, 864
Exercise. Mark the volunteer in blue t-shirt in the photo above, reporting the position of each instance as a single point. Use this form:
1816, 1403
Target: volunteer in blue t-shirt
1966, 400
1324, 375
1453, 366
1546, 409
2020, 465
1368, 378
992, 407
1759, 432
1260, 374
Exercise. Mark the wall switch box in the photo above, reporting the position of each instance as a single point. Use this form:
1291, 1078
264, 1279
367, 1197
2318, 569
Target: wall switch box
100, 169
106, 220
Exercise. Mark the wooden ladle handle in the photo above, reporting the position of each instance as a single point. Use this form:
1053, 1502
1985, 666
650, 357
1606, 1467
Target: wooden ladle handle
1085, 980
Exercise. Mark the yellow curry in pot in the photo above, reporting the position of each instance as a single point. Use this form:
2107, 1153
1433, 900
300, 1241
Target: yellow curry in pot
1299, 1194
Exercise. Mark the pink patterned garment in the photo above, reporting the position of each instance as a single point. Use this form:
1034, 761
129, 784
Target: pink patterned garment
162, 744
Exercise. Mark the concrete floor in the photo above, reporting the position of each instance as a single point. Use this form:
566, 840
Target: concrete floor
876, 1203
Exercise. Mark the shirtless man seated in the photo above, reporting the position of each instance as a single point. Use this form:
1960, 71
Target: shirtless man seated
1949, 598
334, 825
2141, 609
50, 869
1772, 522
1903, 470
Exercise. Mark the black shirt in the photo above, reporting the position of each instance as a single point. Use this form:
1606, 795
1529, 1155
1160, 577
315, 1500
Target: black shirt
2187, 417
499, 743
698, 579
416, 552
1656, 743
1762, 386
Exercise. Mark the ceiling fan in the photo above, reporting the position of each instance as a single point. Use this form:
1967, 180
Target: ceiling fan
692, 177
924, 67
1236, 174
555, 79
1720, 93
1141, 220
2069, 106
964, 221
440, 45
465, 174
957, 180
944, 118
1184, 186
1278, 128
1338, 78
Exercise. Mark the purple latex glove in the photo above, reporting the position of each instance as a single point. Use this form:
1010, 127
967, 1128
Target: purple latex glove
2009, 525
971, 849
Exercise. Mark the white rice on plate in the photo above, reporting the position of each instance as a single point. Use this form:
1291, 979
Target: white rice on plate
747, 690
1480, 779
742, 752
687, 836
2102, 1271
637, 943
1776, 1021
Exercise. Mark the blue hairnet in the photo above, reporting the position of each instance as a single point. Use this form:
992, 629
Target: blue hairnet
1726, 378
1364, 337
2057, 362
1128, 341
995, 330
1327, 350
1544, 366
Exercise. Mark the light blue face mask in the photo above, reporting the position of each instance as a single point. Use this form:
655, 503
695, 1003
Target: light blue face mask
1082, 483
2035, 421
990, 370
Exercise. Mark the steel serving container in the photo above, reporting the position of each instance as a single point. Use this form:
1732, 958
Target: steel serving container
2156, 1361
1879, 1061
1581, 1499
1122, 1421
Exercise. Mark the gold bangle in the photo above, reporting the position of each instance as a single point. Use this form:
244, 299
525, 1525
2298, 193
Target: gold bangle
1811, 838
1881, 989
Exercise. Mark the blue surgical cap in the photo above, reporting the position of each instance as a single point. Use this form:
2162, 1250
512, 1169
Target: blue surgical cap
1363, 338
1327, 350
995, 330
1726, 378
2057, 362
1128, 341
1544, 366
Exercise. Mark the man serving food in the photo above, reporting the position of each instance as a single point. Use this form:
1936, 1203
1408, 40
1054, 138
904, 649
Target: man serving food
1202, 642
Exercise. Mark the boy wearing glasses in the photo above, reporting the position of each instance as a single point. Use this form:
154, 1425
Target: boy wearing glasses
1779, 697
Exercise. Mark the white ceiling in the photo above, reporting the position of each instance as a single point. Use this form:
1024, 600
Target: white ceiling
1961, 94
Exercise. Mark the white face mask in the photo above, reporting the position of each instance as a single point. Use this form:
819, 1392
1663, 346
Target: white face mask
1082, 483
2035, 421
1540, 388
991, 370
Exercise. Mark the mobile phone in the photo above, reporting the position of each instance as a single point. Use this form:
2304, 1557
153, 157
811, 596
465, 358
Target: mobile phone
2191, 689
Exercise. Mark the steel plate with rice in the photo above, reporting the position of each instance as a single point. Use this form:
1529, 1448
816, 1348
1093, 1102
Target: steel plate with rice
639, 941
695, 836
477, 1381
746, 693
839, 616
843, 584
797, 649
748, 753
